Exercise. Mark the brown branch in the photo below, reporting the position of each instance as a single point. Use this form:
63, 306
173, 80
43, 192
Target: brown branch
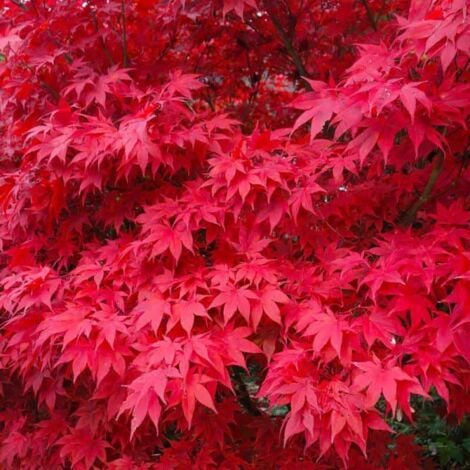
19, 4
255, 81
288, 45
462, 70
242, 393
455, 181
55, 94
409, 216
125, 55
101, 39
57, 43
370, 15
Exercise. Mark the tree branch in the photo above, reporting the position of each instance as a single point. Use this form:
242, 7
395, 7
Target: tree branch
287, 43
55, 94
101, 39
19, 4
67, 56
125, 55
410, 215
370, 15
242, 393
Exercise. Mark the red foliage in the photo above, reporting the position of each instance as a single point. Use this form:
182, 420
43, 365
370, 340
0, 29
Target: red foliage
192, 188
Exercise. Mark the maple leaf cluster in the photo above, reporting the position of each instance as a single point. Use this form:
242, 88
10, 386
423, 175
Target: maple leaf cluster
233, 233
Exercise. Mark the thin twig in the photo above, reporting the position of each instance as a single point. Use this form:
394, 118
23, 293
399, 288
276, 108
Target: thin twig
19, 4
55, 94
68, 57
410, 215
101, 39
254, 92
287, 43
125, 55
242, 393
370, 15
455, 181
462, 70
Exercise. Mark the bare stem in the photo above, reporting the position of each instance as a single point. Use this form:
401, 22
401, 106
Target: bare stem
55, 94
370, 15
462, 70
410, 214
242, 393
101, 39
125, 55
67, 56
287, 43
19, 4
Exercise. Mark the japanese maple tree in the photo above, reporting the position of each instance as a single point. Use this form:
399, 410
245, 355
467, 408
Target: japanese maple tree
234, 233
